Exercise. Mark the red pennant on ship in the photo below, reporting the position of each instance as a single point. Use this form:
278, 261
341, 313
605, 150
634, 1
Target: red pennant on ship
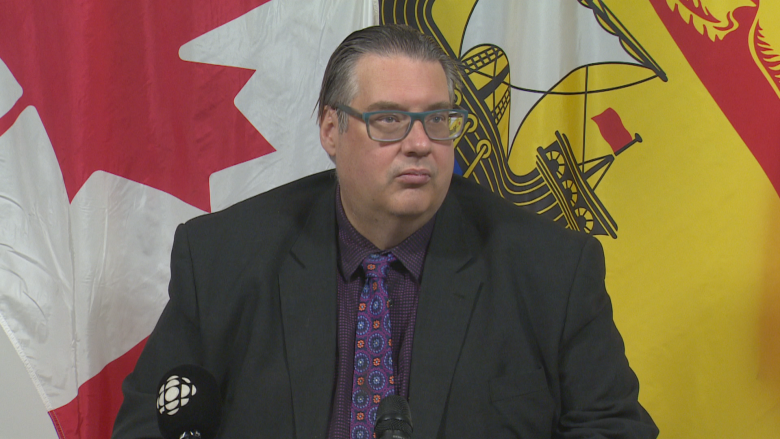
613, 131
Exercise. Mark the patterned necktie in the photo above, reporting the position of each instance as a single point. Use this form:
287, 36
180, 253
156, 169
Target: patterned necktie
373, 374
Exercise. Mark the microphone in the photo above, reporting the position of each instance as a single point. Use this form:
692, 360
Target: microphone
188, 403
393, 418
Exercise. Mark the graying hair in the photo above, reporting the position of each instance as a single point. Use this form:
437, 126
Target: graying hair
339, 85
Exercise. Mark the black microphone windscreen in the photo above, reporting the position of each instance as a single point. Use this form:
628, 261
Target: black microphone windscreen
188, 400
393, 418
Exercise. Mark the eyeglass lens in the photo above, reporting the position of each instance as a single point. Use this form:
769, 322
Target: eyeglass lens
390, 126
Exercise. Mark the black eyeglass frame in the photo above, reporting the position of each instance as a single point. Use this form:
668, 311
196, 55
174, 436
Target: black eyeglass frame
413, 117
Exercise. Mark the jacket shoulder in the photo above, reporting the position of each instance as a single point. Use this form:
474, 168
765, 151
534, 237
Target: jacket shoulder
283, 208
496, 217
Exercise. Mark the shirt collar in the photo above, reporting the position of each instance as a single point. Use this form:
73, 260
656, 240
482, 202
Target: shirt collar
354, 247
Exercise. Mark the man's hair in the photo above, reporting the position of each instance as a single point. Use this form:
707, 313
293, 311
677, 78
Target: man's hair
339, 84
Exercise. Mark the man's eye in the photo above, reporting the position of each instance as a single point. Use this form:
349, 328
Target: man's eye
388, 118
438, 118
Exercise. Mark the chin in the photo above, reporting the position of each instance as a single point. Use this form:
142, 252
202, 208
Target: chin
412, 209
409, 213
413, 203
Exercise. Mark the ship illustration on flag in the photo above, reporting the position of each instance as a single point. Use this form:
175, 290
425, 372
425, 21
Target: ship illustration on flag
563, 181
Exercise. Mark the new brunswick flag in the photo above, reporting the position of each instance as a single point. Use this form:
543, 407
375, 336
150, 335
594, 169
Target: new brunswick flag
655, 126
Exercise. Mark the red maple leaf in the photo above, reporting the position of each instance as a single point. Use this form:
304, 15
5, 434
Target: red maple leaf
113, 94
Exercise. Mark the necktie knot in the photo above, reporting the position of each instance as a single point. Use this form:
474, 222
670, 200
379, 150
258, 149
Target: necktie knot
376, 265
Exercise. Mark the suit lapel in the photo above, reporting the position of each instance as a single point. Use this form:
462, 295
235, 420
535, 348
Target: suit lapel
450, 285
307, 288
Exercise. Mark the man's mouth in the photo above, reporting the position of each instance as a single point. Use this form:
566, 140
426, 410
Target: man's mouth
414, 176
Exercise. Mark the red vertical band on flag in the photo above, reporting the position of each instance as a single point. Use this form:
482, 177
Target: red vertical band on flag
612, 129
730, 74
91, 414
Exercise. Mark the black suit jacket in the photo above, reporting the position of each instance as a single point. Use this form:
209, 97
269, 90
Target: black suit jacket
514, 334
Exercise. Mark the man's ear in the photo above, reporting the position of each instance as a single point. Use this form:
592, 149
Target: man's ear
329, 131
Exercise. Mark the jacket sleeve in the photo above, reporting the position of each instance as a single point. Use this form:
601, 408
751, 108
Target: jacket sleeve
599, 390
175, 340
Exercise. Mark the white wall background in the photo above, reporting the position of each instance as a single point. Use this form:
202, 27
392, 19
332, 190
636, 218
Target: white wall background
22, 413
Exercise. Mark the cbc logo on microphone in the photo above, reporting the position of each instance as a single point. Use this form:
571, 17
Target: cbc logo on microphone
174, 394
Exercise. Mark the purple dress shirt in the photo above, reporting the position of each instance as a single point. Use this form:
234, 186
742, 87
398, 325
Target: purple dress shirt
404, 287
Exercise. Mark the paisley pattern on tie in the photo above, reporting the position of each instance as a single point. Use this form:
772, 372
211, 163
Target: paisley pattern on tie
373, 375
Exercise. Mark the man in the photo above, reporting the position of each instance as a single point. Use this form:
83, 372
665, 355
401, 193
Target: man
312, 302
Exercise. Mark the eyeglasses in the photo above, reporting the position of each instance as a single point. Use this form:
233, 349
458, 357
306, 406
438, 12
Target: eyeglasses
394, 125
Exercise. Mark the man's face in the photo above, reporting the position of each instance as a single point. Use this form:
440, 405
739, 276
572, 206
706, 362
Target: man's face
407, 179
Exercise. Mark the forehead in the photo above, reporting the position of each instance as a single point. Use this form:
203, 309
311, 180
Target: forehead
400, 80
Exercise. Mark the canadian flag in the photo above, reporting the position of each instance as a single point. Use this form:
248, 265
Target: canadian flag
119, 120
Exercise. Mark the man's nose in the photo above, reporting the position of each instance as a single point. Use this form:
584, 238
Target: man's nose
417, 141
